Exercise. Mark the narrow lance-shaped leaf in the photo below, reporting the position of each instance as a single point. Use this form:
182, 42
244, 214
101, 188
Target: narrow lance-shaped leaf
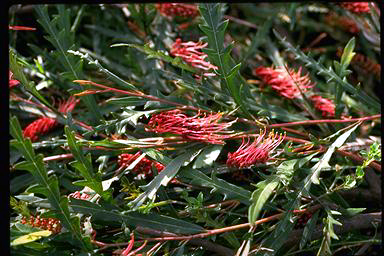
260, 197
165, 176
154, 221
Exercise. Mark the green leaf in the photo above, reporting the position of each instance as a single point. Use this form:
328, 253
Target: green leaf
207, 156
348, 54
31, 237
47, 186
84, 164
323, 163
229, 190
127, 101
62, 39
135, 219
215, 30
260, 197
165, 176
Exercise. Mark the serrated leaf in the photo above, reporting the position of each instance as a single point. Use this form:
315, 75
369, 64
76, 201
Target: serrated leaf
50, 185
83, 164
230, 191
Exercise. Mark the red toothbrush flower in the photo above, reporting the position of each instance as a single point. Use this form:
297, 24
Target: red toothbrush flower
143, 167
45, 124
12, 82
178, 9
326, 106
190, 52
201, 127
356, 7
287, 84
249, 154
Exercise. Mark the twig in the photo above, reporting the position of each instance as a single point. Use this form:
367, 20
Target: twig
241, 22
311, 122
359, 222
359, 159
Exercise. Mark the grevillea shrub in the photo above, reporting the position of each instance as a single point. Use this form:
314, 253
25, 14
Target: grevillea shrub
195, 129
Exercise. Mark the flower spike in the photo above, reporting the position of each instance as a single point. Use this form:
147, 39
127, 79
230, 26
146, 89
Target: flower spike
287, 84
249, 154
45, 124
201, 127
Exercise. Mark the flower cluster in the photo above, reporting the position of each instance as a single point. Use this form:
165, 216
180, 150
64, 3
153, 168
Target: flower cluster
50, 224
356, 7
143, 167
79, 195
201, 127
249, 154
190, 52
326, 106
45, 124
12, 82
286, 83
177, 9
343, 22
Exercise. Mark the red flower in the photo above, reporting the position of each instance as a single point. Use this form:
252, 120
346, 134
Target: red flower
143, 167
79, 195
199, 127
178, 9
325, 105
343, 22
356, 7
287, 84
20, 28
190, 53
45, 124
12, 82
249, 154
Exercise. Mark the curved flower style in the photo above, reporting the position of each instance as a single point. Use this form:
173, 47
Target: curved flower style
201, 127
20, 28
177, 9
356, 7
190, 53
326, 106
12, 82
287, 84
143, 167
249, 154
45, 124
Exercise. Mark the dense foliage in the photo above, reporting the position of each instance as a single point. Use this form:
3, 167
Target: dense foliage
195, 129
